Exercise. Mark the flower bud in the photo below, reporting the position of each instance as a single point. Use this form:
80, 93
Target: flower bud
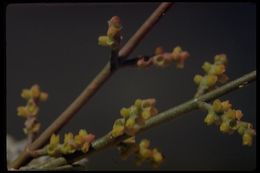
206, 67
197, 79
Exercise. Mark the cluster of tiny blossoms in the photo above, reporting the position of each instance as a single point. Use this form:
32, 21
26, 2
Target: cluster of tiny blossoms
163, 59
31, 110
141, 151
229, 120
134, 117
79, 142
214, 73
113, 37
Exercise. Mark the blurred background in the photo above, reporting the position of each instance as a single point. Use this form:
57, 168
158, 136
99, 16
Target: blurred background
55, 46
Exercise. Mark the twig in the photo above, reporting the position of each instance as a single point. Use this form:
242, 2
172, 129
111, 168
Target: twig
170, 114
93, 87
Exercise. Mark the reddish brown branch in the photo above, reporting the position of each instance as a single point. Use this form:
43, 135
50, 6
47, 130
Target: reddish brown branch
93, 87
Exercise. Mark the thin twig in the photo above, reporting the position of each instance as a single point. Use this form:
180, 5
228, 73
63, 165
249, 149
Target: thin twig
93, 87
170, 114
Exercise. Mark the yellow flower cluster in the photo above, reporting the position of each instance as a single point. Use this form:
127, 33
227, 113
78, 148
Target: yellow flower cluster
229, 120
30, 111
214, 73
134, 117
163, 59
112, 38
152, 154
80, 142
141, 151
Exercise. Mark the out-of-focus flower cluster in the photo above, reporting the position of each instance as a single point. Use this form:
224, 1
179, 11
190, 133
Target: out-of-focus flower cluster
134, 117
113, 37
163, 59
142, 152
71, 143
214, 73
229, 120
31, 110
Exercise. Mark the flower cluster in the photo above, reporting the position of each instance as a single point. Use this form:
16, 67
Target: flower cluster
134, 117
30, 111
113, 37
229, 120
163, 59
80, 142
141, 151
214, 73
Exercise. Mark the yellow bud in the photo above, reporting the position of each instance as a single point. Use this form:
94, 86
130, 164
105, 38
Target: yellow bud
105, 41
145, 153
26, 94
239, 114
219, 69
22, 111
125, 112
35, 90
210, 119
138, 103
146, 114
43, 96
247, 139
157, 156
225, 128
230, 114
117, 131
176, 52
85, 147
217, 106
206, 67
226, 105
241, 127
211, 80
130, 122
197, 79
145, 143
221, 59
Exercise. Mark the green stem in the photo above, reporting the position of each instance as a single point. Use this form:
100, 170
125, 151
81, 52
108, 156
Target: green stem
170, 114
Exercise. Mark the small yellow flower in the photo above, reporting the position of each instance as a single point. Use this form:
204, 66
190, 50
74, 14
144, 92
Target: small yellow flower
26, 94
130, 122
211, 119
125, 112
105, 41
118, 128
225, 128
145, 153
157, 156
247, 139
230, 114
35, 90
226, 105
68, 146
211, 80
219, 69
22, 111
145, 143
159, 61
43, 96
221, 59
239, 114
54, 145
85, 147
197, 79
176, 53
217, 106
138, 103
206, 66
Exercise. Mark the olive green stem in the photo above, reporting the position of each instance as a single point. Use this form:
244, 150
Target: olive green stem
170, 114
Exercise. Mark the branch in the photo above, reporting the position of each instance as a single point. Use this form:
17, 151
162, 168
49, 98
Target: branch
170, 114
93, 87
